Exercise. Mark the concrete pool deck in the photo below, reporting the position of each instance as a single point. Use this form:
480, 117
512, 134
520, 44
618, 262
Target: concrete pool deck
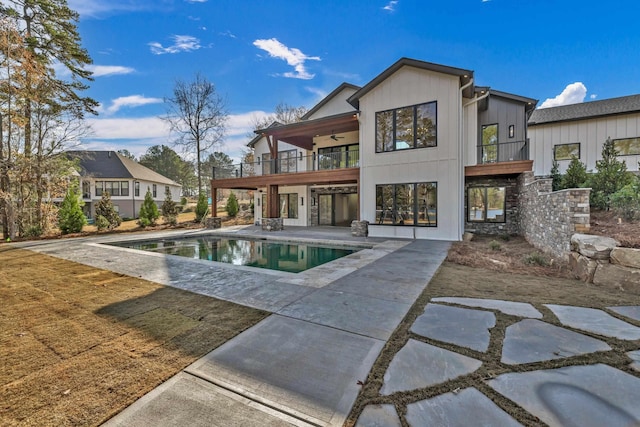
302, 364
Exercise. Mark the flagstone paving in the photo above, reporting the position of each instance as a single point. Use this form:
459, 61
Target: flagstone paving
594, 320
579, 395
532, 340
460, 326
468, 407
631, 312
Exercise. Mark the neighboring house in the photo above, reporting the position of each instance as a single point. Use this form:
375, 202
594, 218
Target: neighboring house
126, 181
419, 152
581, 129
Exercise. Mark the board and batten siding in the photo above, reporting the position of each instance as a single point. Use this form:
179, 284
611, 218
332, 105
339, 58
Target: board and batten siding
411, 86
336, 105
590, 133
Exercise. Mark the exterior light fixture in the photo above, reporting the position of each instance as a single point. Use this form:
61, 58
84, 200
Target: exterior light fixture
512, 131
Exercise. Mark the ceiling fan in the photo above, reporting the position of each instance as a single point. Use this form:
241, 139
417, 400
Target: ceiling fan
335, 137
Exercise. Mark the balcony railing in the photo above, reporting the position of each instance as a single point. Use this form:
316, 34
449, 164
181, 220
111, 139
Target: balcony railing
503, 152
300, 163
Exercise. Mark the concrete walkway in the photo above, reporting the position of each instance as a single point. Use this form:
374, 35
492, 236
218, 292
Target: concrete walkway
302, 364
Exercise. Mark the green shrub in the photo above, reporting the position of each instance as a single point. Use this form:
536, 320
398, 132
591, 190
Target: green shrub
183, 201
626, 201
505, 237
33, 231
105, 209
556, 177
610, 177
169, 208
149, 212
576, 175
102, 223
202, 207
536, 258
494, 245
71, 219
232, 205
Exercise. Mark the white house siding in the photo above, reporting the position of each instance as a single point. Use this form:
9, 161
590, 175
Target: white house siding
410, 86
470, 115
590, 133
337, 105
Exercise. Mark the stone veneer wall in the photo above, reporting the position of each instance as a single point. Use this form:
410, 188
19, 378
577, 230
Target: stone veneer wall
511, 224
548, 218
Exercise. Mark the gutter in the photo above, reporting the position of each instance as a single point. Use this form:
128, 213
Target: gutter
461, 159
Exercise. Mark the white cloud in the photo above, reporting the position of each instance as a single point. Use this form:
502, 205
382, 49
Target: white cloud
130, 101
593, 96
391, 6
293, 56
228, 34
574, 93
133, 128
98, 8
182, 43
196, 1
319, 93
109, 70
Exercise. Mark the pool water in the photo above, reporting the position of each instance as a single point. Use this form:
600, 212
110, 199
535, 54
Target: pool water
282, 256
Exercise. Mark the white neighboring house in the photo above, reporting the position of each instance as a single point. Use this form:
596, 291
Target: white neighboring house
126, 181
581, 129
419, 152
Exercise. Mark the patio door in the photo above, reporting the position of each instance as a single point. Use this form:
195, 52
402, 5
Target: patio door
325, 209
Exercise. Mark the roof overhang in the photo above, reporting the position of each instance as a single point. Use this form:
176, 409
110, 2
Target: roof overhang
301, 134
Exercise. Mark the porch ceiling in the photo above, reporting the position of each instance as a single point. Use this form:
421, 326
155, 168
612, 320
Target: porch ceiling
301, 134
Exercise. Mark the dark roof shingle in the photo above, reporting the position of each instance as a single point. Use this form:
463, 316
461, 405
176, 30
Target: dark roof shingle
586, 110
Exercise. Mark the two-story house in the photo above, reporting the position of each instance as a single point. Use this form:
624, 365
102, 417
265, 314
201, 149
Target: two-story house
420, 152
126, 181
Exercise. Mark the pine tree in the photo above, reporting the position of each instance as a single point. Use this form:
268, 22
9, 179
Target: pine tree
149, 213
169, 208
202, 207
610, 177
576, 175
232, 205
556, 177
71, 219
105, 209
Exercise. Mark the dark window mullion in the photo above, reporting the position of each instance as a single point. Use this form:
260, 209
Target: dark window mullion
415, 204
415, 126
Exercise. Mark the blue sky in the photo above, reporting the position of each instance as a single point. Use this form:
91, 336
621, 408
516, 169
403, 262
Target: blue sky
260, 53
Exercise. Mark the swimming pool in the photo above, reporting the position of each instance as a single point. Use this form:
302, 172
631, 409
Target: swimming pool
292, 257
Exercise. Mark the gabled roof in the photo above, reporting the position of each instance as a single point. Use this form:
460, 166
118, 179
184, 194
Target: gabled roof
465, 77
328, 98
586, 110
259, 135
111, 165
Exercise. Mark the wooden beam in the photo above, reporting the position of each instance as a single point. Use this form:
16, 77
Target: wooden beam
273, 202
500, 168
214, 202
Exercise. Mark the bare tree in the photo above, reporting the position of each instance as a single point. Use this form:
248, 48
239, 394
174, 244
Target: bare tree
283, 114
198, 115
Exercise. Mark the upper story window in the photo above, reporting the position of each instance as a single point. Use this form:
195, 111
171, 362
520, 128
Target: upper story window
114, 188
566, 151
627, 146
405, 128
341, 156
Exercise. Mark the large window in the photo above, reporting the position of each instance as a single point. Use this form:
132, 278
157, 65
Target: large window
486, 204
407, 127
490, 143
627, 146
343, 156
566, 151
114, 188
287, 162
288, 207
407, 204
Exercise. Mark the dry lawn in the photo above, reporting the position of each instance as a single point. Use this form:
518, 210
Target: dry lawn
482, 277
610, 225
79, 344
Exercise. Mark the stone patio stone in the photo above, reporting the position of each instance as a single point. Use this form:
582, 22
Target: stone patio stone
460, 326
594, 320
379, 416
635, 356
630, 311
419, 365
520, 309
469, 407
534, 341
586, 396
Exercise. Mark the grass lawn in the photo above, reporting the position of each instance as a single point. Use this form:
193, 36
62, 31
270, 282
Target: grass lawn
79, 344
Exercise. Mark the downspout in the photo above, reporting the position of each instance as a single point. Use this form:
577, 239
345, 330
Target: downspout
461, 160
